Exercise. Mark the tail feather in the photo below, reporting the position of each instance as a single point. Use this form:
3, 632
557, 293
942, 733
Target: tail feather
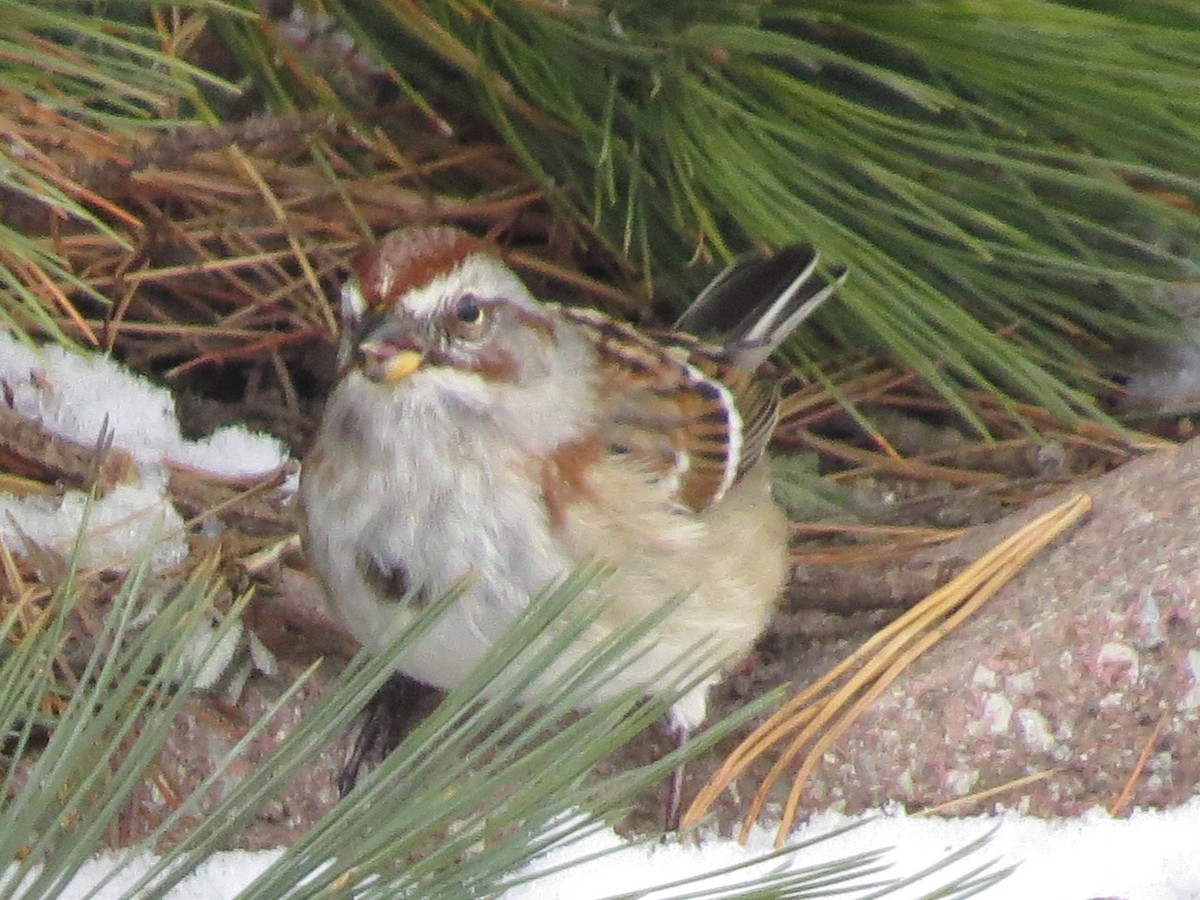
758, 301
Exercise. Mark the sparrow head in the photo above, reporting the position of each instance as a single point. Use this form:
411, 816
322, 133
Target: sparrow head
435, 298
434, 313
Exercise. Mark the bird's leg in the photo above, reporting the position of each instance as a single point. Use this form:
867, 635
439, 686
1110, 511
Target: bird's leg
386, 721
674, 810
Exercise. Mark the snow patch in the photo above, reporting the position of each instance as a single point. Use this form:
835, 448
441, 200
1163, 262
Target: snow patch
77, 397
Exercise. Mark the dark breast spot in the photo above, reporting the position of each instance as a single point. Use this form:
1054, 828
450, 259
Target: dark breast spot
347, 429
389, 581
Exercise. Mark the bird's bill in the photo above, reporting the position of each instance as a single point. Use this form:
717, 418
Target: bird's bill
389, 366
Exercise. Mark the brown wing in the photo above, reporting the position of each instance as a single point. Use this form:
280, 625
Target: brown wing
678, 408
693, 413
755, 396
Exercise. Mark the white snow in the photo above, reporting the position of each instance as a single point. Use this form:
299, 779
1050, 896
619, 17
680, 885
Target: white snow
73, 395
120, 526
220, 876
77, 396
1152, 855
1149, 856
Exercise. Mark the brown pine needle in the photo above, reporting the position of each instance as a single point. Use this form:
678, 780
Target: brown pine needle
977, 796
869, 553
822, 712
864, 529
253, 349
902, 468
593, 287
892, 541
37, 274
261, 483
299, 255
1118, 805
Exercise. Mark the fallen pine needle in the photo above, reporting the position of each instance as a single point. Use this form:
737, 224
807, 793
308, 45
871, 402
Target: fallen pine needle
1118, 805
977, 796
821, 713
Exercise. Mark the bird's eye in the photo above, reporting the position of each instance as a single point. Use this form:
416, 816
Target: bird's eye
468, 311
469, 319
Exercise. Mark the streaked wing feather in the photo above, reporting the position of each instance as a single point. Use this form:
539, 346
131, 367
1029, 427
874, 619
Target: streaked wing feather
691, 413
664, 411
758, 402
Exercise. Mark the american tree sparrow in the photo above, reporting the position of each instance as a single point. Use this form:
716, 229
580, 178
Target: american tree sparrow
480, 437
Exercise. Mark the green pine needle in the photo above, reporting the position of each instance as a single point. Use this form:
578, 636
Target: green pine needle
459, 809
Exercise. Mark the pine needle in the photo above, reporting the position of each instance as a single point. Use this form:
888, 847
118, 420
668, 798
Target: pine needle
979, 796
822, 712
1117, 807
